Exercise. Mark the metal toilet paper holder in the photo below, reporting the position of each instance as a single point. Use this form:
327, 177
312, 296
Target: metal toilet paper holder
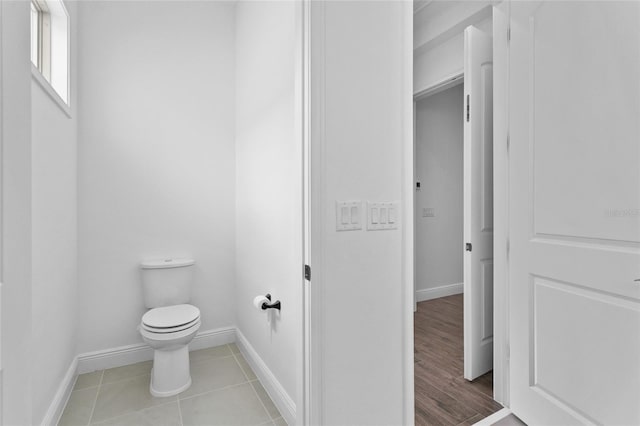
275, 305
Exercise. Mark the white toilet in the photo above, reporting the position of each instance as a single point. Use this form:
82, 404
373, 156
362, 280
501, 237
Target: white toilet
170, 323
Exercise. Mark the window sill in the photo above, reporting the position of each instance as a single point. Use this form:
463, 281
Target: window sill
44, 84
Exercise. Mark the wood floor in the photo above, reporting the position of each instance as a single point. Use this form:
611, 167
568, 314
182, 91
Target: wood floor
443, 396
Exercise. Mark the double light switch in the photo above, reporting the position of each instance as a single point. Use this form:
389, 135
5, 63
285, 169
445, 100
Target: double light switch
348, 215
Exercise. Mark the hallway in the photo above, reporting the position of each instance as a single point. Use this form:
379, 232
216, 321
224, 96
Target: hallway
443, 396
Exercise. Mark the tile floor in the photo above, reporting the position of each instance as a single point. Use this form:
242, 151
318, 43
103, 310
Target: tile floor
225, 391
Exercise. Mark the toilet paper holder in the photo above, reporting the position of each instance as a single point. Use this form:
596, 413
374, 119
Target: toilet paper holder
274, 305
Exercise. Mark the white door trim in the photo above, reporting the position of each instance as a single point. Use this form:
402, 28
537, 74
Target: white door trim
307, 385
408, 220
314, 145
500, 205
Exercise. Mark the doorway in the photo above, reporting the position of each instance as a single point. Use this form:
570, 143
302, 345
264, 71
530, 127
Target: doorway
442, 393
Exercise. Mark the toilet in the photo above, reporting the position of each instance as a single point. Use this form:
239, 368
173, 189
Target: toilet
170, 323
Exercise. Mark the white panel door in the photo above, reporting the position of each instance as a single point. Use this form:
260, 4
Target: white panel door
478, 203
574, 212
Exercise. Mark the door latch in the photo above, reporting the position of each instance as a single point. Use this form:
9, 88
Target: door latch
467, 246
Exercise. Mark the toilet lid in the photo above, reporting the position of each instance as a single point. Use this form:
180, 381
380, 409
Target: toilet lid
171, 316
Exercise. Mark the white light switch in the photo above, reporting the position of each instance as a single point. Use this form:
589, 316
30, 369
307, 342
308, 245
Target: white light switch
392, 214
429, 212
348, 215
344, 215
381, 216
355, 215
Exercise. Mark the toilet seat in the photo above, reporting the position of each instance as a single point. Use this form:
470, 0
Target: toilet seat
170, 319
172, 336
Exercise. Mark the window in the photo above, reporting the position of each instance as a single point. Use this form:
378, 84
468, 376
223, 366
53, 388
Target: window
50, 47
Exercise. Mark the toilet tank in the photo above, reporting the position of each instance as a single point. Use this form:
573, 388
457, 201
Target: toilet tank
166, 281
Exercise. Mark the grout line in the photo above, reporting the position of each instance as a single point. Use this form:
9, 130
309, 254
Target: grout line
93, 407
179, 411
254, 389
196, 361
122, 415
261, 402
241, 368
214, 390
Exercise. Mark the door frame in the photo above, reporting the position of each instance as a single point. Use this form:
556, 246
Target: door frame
501, 306
501, 372
442, 85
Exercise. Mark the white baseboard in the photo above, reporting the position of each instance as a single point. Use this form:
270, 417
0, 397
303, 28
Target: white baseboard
276, 391
53, 414
436, 292
130, 354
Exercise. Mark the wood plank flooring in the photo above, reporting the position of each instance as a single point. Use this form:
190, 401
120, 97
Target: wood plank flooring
443, 396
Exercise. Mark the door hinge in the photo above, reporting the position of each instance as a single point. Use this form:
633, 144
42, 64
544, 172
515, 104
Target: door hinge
467, 246
307, 272
508, 142
508, 34
467, 108
508, 248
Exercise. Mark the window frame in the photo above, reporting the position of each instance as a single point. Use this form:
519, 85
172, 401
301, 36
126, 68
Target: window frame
42, 72
44, 38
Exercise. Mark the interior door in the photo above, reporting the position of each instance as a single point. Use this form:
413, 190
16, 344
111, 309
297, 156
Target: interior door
574, 212
478, 203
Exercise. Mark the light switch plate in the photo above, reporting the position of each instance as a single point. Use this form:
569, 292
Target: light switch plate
382, 216
348, 215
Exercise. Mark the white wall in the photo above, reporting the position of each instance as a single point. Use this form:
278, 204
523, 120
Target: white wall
15, 130
268, 181
54, 237
156, 158
360, 65
439, 169
439, 38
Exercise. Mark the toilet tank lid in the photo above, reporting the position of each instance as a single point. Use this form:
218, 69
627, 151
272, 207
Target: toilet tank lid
166, 263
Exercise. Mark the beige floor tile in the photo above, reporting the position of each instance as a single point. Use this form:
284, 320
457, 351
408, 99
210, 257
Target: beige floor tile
162, 415
280, 422
128, 371
211, 374
234, 348
266, 400
79, 407
245, 367
210, 353
237, 405
88, 380
124, 397
510, 420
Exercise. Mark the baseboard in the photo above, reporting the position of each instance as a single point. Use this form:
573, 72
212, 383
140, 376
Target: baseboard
130, 354
436, 292
276, 391
53, 414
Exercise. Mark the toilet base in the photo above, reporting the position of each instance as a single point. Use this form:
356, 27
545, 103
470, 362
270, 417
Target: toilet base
171, 372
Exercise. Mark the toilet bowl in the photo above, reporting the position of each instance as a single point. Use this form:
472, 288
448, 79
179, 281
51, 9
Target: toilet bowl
168, 330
